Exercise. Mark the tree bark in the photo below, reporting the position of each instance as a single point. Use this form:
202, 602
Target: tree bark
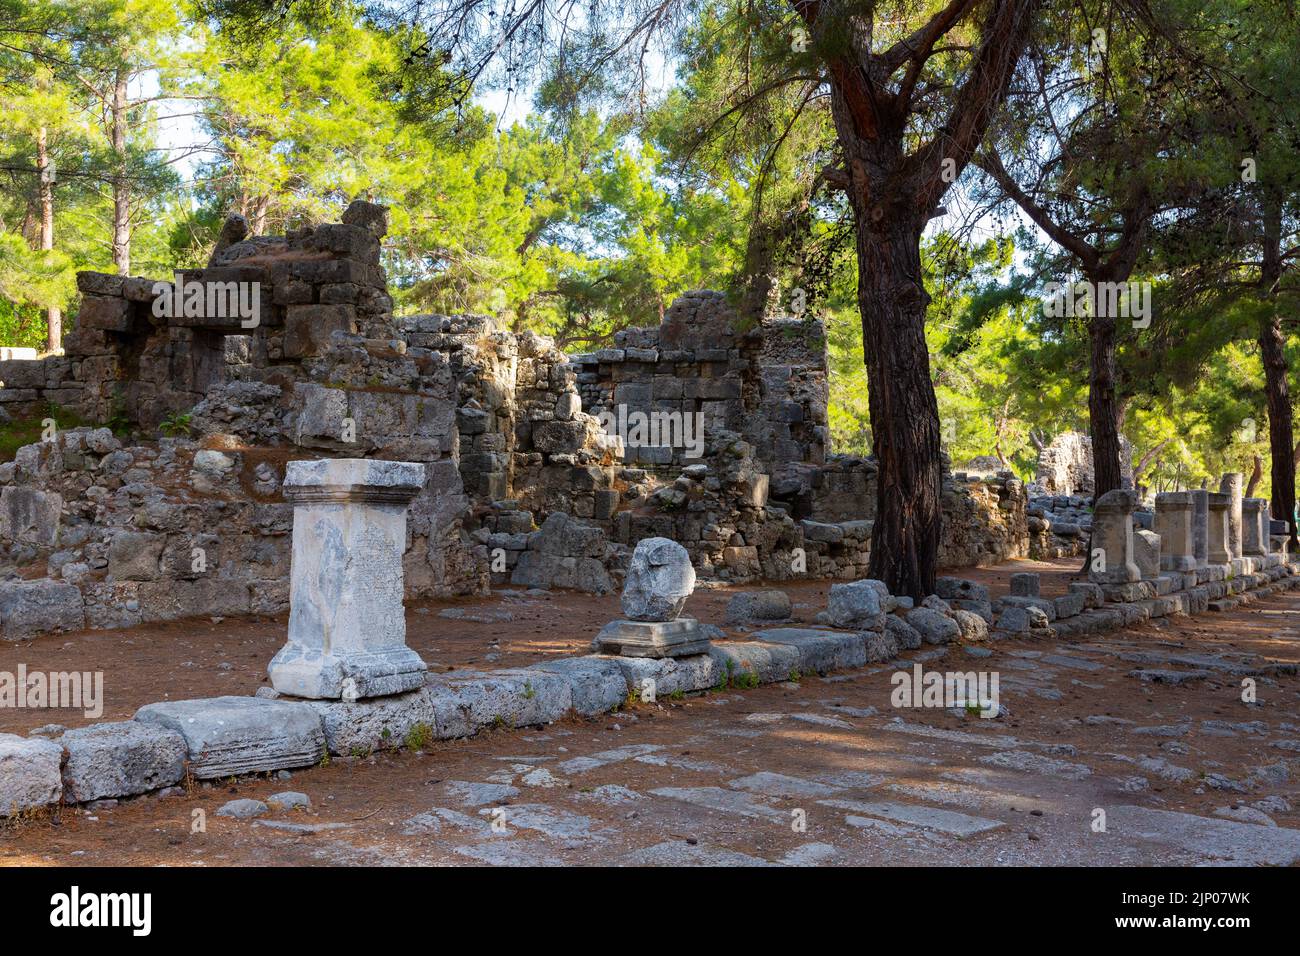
1256, 475
1272, 344
45, 174
904, 412
121, 180
1103, 408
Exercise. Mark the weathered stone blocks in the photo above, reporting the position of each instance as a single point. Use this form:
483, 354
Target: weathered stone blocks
121, 759
226, 736
29, 773
29, 608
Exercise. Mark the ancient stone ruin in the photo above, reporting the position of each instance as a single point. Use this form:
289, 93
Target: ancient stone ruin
540, 469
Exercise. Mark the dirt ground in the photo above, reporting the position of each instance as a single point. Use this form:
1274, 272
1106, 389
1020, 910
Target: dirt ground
823, 771
208, 657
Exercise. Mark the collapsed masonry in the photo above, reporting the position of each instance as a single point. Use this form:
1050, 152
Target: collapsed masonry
542, 469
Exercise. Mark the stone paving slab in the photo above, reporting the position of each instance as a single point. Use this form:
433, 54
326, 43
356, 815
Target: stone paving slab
949, 822
1240, 843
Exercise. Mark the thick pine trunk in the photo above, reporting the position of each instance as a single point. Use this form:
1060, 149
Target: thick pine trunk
1281, 427
1272, 351
904, 412
121, 179
1104, 412
46, 175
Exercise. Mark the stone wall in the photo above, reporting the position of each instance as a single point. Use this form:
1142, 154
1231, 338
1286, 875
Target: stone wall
525, 484
1065, 466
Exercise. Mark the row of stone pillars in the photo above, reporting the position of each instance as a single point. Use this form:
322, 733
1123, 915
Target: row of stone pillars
1194, 530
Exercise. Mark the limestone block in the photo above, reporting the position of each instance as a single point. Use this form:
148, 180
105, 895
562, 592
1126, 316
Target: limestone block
307, 328
669, 675
935, 627
30, 515
29, 773
226, 736
769, 605
767, 662
121, 759
29, 608
819, 651
466, 702
135, 555
597, 684
861, 605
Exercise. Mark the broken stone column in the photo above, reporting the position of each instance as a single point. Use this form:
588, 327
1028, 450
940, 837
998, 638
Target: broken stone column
1174, 520
1231, 486
1254, 528
1112, 534
1201, 526
1217, 529
347, 625
1146, 553
659, 580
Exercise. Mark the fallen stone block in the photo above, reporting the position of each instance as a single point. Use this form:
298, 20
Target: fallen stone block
227, 736
1069, 605
860, 605
960, 589
120, 759
935, 627
906, 636
29, 608
464, 703
29, 773
670, 675
380, 723
767, 663
819, 651
1025, 584
1093, 596
769, 605
1047, 607
596, 684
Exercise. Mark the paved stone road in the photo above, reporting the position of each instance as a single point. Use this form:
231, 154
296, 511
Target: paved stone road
1144, 732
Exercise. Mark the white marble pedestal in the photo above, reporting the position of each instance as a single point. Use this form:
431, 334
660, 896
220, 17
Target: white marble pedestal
347, 625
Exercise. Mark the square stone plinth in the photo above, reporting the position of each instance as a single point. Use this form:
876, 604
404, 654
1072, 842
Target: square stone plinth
347, 625
677, 638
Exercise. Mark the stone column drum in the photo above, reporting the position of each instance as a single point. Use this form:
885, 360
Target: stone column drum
1217, 529
1112, 532
1201, 526
347, 625
1231, 486
1174, 513
1254, 528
